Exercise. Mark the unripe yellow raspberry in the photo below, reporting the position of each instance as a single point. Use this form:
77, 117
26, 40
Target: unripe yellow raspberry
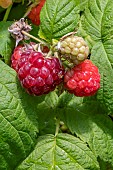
74, 49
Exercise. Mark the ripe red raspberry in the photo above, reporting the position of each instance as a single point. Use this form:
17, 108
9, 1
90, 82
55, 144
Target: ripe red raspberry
15, 56
24, 48
37, 74
83, 79
34, 14
17, 53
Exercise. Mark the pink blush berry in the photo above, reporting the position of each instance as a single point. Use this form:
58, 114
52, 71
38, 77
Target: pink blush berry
83, 79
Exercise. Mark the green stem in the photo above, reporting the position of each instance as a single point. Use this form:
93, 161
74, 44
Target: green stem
57, 126
7, 13
31, 36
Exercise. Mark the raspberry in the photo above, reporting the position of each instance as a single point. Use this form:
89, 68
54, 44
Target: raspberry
74, 49
24, 48
83, 79
37, 74
17, 53
34, 14
15, 56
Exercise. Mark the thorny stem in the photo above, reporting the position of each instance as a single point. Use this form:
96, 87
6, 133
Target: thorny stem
31, 36
57, 126
7, 13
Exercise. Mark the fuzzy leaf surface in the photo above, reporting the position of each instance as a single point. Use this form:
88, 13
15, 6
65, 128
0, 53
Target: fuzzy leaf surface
102, 56
97, 26
61, 152
58, 18
18, 122
91, 125
92, 21
46, 113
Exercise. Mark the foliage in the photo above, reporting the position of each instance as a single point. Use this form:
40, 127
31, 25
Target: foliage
31, 135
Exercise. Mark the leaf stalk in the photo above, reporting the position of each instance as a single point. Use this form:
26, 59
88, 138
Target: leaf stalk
7, 13
31, 36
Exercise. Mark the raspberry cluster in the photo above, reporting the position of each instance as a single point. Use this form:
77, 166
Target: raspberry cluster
37, 74
41, 69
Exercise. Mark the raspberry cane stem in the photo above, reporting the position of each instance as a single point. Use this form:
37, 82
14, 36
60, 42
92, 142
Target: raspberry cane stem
7, 13
31, 36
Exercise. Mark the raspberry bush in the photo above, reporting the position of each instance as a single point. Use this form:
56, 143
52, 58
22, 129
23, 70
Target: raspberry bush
56, 85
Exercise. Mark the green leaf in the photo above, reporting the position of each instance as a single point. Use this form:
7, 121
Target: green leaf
102, 57
1, 9
107, 21
51, 99
91, 125
104, 165
7, 44
97, 21
19, 10
46, 113
58, 18
18, 121
97, 26
64, 99
92, 19
61, 152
